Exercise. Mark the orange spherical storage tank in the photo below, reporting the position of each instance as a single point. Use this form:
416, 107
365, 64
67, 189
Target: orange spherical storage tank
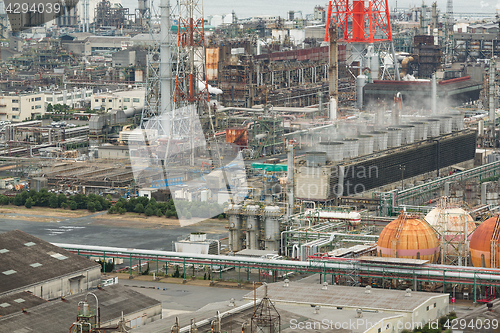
480, 243
408, 237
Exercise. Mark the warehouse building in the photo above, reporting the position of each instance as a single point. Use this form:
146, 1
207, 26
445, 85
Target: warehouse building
24, 312
46, 271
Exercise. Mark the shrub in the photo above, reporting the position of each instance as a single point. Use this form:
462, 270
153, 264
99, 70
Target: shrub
28, 203
159, 212
108, 197
122, 211
112, 210
64, 205
73, 205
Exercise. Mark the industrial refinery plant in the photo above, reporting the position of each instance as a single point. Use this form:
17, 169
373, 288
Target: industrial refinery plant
326, 165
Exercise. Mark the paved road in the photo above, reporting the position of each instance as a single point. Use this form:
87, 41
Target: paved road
83, 230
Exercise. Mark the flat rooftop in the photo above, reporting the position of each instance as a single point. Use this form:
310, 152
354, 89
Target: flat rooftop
342, 296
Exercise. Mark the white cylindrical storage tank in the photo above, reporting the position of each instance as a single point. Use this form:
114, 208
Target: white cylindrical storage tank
408, 136
446, 124
394, 139
374, 66
351, 148
380, 139
420, 130
366, 143
252, 226
271, 227
434, 127
480, 127
457, 120
235, 227
360, 84
334, 150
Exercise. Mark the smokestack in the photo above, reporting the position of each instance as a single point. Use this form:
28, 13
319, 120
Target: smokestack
492, 98
333, 73
165, 62
434, 94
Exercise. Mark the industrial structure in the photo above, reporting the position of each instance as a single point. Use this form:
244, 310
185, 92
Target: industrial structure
359, 143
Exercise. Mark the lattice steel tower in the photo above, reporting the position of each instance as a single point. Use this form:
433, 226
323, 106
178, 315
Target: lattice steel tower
449, 15
158, 105
190, 83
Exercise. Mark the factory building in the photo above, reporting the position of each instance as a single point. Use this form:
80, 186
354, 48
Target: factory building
289, 307
416, 93
46, 271
25, 312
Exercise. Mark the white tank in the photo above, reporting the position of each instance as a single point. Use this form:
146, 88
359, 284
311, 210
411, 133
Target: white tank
351, 148
408, 135
380, 139
271, 227
420, 130
365, 144
360, 84
457, 120
434, 127
446, 124
334, 150
395, 135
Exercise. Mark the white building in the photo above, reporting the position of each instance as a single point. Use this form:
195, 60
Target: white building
118, 99
76, 98
18, 107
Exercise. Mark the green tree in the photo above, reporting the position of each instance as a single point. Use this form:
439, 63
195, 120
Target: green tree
108, 197
61, 198
91, 206
159, 212
98, 206
139, 208
149, 211
73, 205
122, 211
18, 200
28, 203
50, 108
53, 202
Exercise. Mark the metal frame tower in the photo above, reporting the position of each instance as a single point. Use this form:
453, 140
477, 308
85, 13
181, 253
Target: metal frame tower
358, 23
191, 56
449, 15
158, 106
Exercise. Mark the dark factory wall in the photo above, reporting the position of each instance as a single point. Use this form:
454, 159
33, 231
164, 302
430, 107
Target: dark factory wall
417, 159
